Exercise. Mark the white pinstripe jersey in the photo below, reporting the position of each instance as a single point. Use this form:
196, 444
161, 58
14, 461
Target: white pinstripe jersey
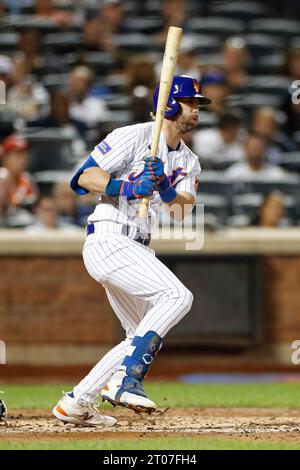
122, 155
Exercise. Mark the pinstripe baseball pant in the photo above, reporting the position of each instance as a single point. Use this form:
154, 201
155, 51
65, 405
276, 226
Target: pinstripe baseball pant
144, 294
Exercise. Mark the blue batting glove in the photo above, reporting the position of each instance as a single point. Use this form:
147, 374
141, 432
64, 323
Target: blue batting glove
166, 191
154, 167
143, 187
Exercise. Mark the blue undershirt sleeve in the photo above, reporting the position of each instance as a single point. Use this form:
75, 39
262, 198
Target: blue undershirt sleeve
90, 162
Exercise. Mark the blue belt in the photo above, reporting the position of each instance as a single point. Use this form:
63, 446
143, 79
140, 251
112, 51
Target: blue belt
90, 229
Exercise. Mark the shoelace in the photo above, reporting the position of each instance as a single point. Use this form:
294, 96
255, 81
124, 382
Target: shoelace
94, 407
91, 406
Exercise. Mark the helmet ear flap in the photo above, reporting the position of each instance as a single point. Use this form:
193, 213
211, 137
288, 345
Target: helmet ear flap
172, 106
172, 109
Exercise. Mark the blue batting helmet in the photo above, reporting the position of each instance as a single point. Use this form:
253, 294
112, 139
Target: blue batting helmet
183, 86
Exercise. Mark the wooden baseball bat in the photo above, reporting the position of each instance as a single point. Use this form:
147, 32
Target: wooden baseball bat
166, 79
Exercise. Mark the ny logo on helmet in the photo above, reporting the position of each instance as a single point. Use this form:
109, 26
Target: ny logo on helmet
196, 86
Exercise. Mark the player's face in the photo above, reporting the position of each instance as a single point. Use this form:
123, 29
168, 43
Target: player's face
188, 117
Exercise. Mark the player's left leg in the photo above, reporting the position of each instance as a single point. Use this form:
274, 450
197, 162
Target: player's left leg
130, 312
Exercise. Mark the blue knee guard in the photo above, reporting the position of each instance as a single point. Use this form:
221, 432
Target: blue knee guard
146, 347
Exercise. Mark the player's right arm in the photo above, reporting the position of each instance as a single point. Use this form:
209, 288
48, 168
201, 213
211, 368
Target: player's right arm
94, 180
96, 175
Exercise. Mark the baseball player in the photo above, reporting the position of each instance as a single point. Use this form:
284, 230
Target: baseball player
145, 295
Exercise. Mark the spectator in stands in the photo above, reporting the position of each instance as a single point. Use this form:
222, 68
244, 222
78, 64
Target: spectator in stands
265, 121
6, 71
140, 83
292, 65
173, 14
187, 63
215, 87
291, 99
2, 10
221, 145
59, 115
291, 108
111, 16
29, 45
15, 7
92, 35
15, 159
6, 74
271, 213
47, 217
27, 99
46, 9
255, 165
234, 62
11, 216
66, 204
100, 31
84, 106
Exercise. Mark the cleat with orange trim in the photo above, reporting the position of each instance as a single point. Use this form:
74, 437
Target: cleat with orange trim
69, 411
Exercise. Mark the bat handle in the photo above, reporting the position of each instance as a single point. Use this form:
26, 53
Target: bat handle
143, 208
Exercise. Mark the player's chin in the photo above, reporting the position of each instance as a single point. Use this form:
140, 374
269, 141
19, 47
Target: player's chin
189, 126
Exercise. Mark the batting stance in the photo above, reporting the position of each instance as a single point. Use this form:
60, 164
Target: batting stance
145, 295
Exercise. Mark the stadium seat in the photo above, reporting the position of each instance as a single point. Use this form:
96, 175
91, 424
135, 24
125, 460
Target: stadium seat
276, 26
249, 102
121, 118
144, 25
207, 119
288, 185
46, 179
210, 59
62, 42
243, 10
19, 22
204, 44
296, 138
115, 82
8, 42
216, 205
270, 64
55, 80
213, 182
50, 151
291, 161
295, 42
136, 43
215, 25
247, 205
263, 44
101, 62
272, 84
119, 102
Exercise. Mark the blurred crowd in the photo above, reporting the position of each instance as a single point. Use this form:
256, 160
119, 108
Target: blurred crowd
73, 71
